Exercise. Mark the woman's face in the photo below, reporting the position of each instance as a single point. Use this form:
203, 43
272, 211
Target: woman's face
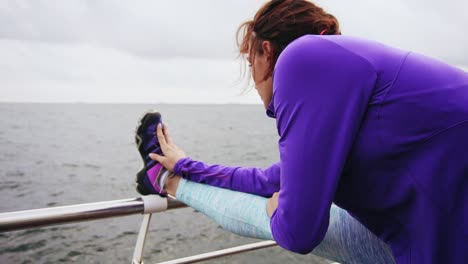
260, 66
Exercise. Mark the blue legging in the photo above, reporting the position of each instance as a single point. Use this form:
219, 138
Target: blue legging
346, 240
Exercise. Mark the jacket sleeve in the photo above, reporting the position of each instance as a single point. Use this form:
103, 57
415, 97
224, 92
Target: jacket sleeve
321, 92
263, 182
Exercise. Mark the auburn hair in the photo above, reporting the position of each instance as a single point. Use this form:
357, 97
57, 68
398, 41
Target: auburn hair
281, 22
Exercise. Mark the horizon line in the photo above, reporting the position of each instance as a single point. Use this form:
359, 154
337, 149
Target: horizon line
129, 103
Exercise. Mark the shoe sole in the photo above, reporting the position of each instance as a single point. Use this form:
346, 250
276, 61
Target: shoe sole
138, 139
140, 176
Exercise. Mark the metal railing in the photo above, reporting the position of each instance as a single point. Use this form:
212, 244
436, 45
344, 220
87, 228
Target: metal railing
146, 205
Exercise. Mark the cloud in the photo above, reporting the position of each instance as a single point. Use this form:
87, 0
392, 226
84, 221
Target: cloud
46, 72
147, 28
429, 27
180, 50
206, 28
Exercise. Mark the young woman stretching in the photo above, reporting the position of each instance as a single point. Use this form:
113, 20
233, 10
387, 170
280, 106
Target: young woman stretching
380, 132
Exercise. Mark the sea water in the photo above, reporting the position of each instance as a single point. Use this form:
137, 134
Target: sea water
63, 154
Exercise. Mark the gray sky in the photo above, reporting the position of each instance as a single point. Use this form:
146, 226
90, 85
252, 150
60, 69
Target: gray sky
181, 51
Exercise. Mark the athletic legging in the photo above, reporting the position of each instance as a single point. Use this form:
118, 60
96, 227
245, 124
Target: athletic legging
346, 241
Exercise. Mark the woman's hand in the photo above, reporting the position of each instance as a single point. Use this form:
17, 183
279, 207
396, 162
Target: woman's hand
272, 204
172, 153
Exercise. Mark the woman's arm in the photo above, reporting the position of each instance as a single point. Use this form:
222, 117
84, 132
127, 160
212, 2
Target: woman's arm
263, 182
250, 180
321, 92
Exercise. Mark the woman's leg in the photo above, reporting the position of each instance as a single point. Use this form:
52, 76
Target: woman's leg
346, 241
240, 213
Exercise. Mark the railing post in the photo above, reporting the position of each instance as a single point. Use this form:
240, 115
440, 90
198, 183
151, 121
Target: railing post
140, 244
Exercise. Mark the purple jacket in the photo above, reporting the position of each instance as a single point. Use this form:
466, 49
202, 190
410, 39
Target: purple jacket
381, 132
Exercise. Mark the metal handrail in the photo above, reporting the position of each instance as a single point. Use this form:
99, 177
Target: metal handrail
222, 253
12, 221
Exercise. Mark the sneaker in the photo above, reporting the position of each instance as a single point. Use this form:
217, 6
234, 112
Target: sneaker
150, 179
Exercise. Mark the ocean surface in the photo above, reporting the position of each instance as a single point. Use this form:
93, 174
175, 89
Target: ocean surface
63, 154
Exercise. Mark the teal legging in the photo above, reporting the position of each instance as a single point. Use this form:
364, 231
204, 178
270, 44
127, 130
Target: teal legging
346, 241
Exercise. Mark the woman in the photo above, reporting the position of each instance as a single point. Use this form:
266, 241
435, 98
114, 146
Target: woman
380, 132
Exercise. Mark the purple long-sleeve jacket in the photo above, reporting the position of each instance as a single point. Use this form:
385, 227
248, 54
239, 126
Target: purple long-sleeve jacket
381, 132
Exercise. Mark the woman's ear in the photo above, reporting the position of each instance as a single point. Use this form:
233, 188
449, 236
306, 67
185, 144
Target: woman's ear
267, 49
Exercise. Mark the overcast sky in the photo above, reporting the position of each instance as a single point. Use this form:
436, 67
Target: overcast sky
178, 51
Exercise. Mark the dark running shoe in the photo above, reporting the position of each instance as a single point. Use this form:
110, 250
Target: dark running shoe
150, 177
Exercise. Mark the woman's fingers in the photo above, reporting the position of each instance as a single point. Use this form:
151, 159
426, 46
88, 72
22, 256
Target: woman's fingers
156, 157
167, 135
275, 195
272, 204
172, 154
163, 160
161, 138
